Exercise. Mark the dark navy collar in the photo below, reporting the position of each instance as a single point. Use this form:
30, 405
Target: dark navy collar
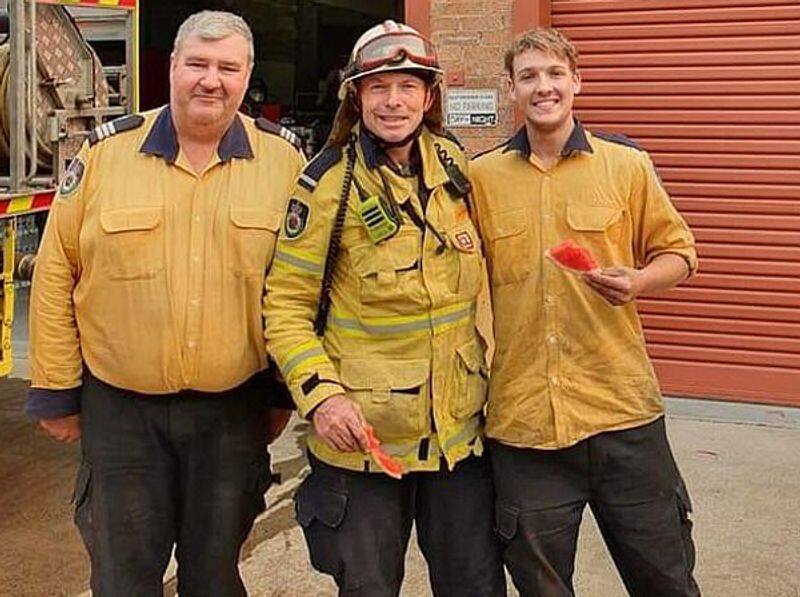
162, 140
371, 151
577, 142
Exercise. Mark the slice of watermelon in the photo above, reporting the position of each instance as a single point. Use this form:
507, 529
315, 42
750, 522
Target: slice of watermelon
572, 257
391, 466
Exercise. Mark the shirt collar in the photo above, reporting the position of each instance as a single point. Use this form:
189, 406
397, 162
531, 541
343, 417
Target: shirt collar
369, 149
577, 142
162, 140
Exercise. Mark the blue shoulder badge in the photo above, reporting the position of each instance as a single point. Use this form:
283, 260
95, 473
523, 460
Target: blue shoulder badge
316, 168
72, 178
268, 126
617, 138
118, 125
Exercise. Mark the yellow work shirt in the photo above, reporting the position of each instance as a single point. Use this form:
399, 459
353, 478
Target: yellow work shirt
152, 274
568, 365
400, 338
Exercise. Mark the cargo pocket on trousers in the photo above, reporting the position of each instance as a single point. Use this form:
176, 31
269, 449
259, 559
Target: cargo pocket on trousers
506, 521
81, 499
320, 511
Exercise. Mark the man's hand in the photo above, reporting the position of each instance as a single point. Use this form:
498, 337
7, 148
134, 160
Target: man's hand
64, 429
339, 422
276, 421
618, 285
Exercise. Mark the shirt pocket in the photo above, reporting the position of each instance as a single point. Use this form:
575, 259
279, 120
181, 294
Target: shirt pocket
592, 218
511, 250
393, 394
389, 270
132, 242
252, 235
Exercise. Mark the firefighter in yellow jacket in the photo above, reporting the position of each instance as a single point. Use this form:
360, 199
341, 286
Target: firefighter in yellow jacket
369, 312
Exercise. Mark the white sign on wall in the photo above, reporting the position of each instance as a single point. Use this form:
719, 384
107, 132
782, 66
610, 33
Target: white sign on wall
471, 107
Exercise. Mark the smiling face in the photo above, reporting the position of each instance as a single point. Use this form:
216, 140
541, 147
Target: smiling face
393, 104
543, 87
208, 79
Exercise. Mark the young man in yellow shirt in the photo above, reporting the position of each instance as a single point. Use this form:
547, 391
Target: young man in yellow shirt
575, 414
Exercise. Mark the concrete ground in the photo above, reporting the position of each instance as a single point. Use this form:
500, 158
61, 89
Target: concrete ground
740, 463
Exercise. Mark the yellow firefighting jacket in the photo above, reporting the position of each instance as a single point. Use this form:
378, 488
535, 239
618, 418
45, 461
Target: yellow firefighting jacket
400, 339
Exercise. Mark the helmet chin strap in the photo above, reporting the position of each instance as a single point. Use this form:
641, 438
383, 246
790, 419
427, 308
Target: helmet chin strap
383, 144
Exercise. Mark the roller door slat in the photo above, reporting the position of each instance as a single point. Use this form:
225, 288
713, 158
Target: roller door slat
758, 222
579, 6
681, 30
745, 267
739, 297
733, 341
673, 117
750, 282
749, 251
728, 381
742, 175
711, 145
732, 190
737, 206
718, 310
788, 40
684, 87
626, 72
725, 355
731, 235
774, 162
722, 326
690, 58
690, 16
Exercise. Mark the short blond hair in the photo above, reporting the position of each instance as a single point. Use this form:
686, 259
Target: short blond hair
543, 39
212, 25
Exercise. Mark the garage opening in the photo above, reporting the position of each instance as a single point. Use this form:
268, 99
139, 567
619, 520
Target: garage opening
300, 46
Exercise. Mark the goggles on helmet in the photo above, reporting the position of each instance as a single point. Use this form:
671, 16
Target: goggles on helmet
393, 48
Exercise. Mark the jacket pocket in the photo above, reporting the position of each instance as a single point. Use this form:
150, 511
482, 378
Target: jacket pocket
466, 243
506, 520
389, 270
510, 253
471, 377
132, 242
252, 236
393, 394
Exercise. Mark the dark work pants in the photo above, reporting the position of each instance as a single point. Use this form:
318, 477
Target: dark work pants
187, 469
632, 484
357, 527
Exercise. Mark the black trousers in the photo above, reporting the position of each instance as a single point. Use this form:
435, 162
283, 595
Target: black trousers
357, 527
187, 469
630, 481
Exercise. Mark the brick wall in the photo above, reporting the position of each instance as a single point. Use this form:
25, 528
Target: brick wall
471, 36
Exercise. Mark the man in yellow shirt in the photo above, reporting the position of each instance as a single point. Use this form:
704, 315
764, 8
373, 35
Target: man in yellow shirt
146, 332
370, 314
575, 414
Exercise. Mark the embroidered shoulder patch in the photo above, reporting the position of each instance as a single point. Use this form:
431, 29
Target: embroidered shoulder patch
72, 177
296, 221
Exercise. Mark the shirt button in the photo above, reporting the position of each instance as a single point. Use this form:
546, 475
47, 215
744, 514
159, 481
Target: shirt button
195, 259
553, 380
196, 217
549, 300
191, 344
552, 339
195, 302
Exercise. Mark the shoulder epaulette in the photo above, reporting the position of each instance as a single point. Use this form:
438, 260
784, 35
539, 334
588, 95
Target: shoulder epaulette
617, 138
316, 168
491, 149
118, 125
275, 129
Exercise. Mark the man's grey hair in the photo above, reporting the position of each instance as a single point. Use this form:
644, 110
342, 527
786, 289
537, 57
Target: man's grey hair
212, 25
